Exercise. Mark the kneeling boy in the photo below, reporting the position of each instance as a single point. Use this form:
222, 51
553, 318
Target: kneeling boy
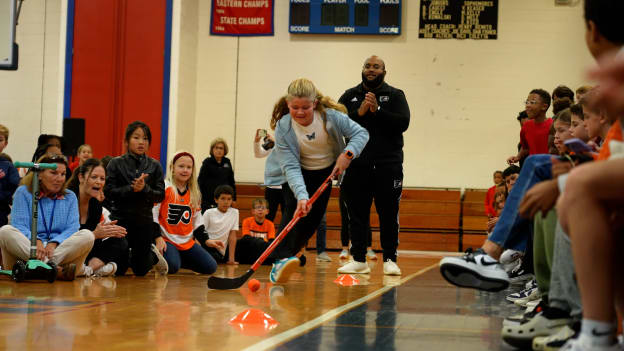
258, 232
221, 225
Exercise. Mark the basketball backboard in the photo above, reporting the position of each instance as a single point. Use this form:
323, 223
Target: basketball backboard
8, 48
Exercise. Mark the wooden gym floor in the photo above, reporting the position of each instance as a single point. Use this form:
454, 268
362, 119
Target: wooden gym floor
417, 311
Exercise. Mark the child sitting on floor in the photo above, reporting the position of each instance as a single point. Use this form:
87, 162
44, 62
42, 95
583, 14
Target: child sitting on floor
258, 232
221, 225
179, 215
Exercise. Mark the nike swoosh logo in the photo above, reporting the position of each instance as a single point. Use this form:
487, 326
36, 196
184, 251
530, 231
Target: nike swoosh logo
484, 263
596, 333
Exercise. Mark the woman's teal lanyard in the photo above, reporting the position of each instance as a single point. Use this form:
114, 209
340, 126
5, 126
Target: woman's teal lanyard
45, 224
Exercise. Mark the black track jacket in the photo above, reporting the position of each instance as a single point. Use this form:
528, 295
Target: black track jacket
386, 126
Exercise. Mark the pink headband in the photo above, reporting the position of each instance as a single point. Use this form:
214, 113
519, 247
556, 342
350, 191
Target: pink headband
178, 155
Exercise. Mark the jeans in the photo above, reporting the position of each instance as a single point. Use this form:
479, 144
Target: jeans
196, 259
511, 230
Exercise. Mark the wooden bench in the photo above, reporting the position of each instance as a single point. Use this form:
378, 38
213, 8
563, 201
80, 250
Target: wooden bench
474, 219
429, 218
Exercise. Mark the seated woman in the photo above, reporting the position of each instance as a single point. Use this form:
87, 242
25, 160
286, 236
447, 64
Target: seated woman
88, 184
59, 239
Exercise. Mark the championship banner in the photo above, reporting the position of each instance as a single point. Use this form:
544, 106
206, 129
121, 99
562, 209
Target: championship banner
241, 17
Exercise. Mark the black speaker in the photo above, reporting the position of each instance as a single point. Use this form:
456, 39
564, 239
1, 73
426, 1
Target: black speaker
73, 135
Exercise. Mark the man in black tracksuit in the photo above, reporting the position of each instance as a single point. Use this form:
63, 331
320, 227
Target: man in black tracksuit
378, 172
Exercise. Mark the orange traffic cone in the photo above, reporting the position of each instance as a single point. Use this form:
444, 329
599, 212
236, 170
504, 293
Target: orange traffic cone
347, 280
254, 322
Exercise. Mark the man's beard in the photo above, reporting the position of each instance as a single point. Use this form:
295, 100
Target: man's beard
375, 83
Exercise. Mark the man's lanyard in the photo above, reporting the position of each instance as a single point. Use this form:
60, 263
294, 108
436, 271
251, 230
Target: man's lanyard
45, 224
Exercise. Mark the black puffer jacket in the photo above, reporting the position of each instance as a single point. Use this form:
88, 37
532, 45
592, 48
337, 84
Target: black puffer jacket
120, 173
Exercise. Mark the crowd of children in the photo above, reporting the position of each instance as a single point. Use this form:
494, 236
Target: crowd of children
558, 231
119, 212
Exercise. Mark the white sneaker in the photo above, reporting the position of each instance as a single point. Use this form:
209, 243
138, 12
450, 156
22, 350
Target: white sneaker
161, 266
529, 313
87, 271
530, 286
533, 295
532, 304
323, 257
344, 254
521, 335
561, 337
474, 271
370, 254
518, 276
510, 256
354, 267
107, 270
511, 259
583, 343
391, 268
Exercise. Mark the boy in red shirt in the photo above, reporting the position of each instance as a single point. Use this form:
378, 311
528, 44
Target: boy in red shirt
258, 232
534, 132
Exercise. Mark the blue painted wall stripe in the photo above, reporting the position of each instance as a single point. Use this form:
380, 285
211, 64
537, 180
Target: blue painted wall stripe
164, 134
69, 56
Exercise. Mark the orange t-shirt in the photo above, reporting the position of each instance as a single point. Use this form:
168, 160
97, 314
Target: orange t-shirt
615, 133
266, 230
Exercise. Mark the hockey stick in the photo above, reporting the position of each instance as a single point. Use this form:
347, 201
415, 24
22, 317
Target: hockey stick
222, 283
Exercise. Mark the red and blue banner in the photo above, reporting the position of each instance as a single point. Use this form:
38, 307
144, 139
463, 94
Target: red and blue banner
241, 17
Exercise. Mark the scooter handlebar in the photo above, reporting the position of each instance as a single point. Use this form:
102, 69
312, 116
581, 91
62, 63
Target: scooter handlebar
35, 165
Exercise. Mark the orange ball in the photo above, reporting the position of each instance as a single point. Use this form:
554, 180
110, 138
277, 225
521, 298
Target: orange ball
254, 285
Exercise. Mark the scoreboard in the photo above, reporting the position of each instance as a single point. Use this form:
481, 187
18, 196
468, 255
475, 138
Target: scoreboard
345, 17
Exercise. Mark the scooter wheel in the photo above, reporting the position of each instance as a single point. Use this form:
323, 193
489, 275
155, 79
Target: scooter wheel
52, 272
19, 271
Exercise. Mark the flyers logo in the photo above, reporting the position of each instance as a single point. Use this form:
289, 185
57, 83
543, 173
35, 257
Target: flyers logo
177, 213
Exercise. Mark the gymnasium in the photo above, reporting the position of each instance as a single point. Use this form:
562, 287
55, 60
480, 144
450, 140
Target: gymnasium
206, 73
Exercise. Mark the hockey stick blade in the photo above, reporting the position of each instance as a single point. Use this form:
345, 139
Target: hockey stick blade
220, 283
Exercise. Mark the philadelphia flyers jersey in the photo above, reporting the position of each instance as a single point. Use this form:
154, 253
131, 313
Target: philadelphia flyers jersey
265, 231
176, 218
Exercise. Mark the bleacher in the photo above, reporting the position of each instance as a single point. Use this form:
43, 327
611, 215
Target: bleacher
431, 219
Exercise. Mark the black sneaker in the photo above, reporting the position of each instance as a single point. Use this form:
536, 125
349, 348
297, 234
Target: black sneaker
302, 260
519, 275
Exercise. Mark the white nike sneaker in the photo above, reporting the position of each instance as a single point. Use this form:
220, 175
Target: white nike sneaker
473, 270
354, 267
583, 343
391, 268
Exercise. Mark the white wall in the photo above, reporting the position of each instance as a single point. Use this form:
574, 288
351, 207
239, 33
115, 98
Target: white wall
463, 95
182, 116
31, 97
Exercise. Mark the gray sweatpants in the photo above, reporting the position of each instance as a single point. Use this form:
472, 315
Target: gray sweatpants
564, 292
